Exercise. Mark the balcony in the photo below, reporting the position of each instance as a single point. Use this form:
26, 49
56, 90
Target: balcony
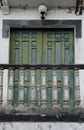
30, 90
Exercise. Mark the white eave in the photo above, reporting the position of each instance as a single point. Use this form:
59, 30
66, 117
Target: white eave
29, 4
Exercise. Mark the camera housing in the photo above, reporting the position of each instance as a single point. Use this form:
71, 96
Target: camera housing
42, 9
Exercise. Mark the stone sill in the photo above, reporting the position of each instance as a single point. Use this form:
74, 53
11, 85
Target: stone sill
43, 115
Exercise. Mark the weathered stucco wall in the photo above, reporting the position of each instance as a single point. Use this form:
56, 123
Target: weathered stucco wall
16, 14
41, 126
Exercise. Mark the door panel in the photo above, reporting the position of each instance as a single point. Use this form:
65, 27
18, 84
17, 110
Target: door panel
38, 87
59, 53
49, 96
26, 95
48, 48
27, 87
24, 44
25, 52
42, 46
17, 52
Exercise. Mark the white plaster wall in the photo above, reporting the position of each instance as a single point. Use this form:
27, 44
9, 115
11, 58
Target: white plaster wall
41, 126
34, 15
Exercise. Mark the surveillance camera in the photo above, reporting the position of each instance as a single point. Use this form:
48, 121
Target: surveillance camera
42, 9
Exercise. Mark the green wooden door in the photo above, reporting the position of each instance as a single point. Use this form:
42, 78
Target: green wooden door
26, 49
48, 46
58, 49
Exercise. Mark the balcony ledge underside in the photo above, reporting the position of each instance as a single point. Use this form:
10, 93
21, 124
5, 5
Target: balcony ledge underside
42, 115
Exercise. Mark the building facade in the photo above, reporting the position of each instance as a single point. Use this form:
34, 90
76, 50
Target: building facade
41, 64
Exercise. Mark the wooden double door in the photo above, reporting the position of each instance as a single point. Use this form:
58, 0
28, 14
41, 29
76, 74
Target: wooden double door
42, 46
